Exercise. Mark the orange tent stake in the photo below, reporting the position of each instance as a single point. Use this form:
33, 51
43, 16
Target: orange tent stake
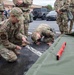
59, 54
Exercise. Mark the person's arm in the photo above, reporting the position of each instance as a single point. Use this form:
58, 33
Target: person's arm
19, 32
4, 40
57, 7
21, 36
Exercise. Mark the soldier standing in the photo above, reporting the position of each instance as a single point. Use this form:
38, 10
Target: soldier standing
61, 7
2, 17
10, 37
25, 7
43, 31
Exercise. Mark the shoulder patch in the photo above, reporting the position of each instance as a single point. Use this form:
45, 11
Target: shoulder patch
3, 36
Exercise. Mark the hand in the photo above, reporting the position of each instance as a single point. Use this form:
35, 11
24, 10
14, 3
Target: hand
24, 39
59, 12
18, 47
25, 43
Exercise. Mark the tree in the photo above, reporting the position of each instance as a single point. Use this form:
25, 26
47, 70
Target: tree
49, 7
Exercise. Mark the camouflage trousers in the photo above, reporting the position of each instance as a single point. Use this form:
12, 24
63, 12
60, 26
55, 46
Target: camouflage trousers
1, 18
26, 22
26, 26
9, 54
71, 23
62, 21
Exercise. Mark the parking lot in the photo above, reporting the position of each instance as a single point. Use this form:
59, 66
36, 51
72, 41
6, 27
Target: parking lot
35, 23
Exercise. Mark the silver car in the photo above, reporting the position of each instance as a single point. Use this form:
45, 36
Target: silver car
51, 16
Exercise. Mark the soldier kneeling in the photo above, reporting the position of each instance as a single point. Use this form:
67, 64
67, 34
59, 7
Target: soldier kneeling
43, 33
11, 38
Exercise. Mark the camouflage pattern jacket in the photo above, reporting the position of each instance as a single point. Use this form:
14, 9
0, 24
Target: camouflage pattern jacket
8, 32
1, 6
25, 7
44, 30
58, 4
72, 6
62, 5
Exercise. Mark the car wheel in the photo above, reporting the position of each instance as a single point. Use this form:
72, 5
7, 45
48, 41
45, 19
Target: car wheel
43, 17
47, 19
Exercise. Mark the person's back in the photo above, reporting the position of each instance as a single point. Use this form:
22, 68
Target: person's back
42, 27
43, 30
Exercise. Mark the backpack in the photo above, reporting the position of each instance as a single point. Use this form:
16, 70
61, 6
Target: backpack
22, 2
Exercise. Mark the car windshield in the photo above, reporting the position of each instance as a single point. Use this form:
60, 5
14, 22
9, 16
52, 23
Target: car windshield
37, 9
44, 9
40, 9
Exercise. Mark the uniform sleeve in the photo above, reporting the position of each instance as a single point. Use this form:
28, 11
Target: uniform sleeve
4, 40
19, 33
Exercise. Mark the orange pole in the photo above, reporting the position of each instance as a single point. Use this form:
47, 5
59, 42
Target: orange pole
59, 54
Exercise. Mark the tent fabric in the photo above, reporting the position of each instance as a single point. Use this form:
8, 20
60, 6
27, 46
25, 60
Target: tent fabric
47, 63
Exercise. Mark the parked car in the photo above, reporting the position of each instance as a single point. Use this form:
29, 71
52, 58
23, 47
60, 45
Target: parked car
40, 13
51, 16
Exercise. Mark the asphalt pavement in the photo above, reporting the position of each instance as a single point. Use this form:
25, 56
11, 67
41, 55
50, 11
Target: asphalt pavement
36, 23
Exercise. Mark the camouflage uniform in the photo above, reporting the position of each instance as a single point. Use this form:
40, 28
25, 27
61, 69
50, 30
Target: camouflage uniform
72, 11
62, 18
10, 36
2, 17
45, 31
26, 20
25, 7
